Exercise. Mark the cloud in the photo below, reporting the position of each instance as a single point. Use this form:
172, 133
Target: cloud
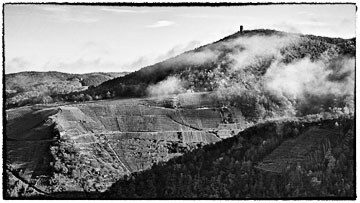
298, 87
54, 8
191, 15
120, 10
306, 13
116, 10
96, 57
84, 65
178, 49
313, 22
252, 50
161, 23
80, 19
64, 14
287, 27
347, 21
93, 48
304, 77
16, 64
139, 63
171, 85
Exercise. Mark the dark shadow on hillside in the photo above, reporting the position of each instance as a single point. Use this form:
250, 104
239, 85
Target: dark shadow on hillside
211, 172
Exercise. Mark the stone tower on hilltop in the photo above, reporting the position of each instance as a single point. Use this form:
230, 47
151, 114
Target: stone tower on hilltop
241, 28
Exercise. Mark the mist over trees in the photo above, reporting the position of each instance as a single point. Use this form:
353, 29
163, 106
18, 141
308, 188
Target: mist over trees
265, 73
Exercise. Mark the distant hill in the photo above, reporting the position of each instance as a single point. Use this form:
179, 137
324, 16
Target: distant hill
265, 73
38, 87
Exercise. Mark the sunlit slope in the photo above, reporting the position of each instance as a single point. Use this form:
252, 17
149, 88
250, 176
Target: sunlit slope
86, 147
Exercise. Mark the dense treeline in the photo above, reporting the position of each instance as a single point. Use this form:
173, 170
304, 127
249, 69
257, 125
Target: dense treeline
228, 169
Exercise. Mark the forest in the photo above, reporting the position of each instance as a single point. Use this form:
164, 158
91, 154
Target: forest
228, 169
238, 74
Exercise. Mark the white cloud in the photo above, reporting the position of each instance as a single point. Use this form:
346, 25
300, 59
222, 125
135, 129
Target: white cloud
306, 13
161, 23
178, 49
16, 64
84, 65
199, 15
313, 23
54, 8
65, 14
287, 27
116, 10
191, 15
134, 11
119, 10
80, 19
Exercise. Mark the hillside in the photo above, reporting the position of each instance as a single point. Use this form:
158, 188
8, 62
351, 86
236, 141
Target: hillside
264, 73
293, 158
41, 87
257, 114
88, 146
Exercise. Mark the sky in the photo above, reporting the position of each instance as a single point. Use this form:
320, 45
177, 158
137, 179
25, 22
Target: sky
82, 39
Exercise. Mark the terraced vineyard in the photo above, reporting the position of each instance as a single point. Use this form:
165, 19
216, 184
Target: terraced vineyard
294, 150
88, 146
288, 158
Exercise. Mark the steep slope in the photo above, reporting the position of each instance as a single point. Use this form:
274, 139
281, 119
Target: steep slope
38, 87
86, 147
29, 135
293, 158
264, 73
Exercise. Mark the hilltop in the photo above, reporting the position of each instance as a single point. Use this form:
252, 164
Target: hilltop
265, 73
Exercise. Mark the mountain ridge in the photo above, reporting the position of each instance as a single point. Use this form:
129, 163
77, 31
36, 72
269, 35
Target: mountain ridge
248, 63
22, 87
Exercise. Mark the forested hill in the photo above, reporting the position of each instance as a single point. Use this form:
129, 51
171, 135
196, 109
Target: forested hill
297, 158
38, 87
265, 73
210, 57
